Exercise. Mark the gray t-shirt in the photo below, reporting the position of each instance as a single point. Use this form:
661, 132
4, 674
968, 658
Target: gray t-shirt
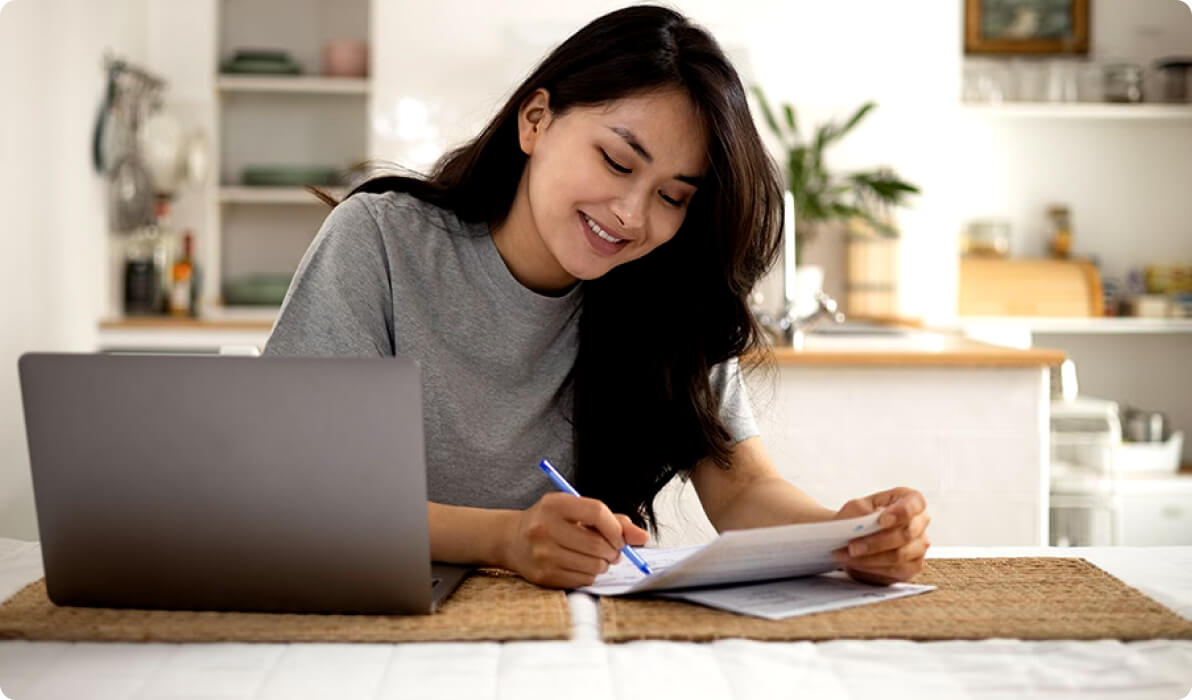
391, 274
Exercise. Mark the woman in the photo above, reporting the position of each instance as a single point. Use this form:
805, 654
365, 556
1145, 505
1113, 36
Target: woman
574, 283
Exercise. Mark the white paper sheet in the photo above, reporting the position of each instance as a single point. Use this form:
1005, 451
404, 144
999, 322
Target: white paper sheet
776, 600
738, 556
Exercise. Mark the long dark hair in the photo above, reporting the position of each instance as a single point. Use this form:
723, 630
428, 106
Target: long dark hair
671, 315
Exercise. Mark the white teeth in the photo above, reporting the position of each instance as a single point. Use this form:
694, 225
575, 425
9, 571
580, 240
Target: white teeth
599, 231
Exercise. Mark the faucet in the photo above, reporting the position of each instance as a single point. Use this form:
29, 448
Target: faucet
788, 328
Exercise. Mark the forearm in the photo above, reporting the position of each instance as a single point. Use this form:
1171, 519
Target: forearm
463, 535
767, 501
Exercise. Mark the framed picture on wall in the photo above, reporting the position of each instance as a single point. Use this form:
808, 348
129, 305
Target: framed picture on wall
1039, 27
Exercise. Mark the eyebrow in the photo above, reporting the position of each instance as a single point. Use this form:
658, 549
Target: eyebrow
631, 139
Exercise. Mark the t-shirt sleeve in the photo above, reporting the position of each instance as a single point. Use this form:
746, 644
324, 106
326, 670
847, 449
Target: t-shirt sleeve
339, 303
735, 409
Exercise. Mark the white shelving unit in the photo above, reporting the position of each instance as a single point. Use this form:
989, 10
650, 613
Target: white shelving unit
276, 195
1114, 325
303, 84
1078, 110
304, 120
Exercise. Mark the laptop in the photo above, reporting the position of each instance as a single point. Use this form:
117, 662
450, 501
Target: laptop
231, 483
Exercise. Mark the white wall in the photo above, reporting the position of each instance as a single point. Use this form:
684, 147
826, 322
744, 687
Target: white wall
52, 273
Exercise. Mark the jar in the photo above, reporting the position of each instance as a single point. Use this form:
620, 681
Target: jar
1123, 82
142, 276
1061, 230
987, 238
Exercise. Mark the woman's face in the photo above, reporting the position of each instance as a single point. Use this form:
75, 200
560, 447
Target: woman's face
608, 184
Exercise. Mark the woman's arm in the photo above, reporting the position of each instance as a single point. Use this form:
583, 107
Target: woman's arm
560, 541
464, 535
751, 493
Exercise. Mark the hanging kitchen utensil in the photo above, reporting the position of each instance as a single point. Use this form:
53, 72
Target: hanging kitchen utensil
162, 145
131, 95
101, 140
130, 188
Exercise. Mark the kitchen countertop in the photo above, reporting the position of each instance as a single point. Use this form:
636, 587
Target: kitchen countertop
916, 349
584, 667
906, 347
248, 320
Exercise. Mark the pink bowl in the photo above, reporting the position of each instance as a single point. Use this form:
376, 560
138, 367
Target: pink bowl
346, 58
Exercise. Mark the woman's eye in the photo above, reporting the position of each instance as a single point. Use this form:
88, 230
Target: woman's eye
672, 202
614, 164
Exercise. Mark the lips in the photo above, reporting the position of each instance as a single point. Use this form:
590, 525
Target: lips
600, 245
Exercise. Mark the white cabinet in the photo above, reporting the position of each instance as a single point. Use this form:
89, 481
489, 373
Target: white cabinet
1157, 511
306, 121
972, 439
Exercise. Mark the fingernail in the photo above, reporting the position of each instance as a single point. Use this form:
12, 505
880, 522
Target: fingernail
886, 520
857, 549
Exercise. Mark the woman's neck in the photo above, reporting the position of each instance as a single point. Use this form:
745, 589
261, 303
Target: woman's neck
525, 253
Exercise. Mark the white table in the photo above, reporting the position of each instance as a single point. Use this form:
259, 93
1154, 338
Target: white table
584, 667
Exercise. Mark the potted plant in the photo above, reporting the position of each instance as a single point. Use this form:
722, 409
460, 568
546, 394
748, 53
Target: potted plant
861, 201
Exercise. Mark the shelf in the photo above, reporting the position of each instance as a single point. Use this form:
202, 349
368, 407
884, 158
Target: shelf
251, 318
1080, 110
275, 195
305, 84
1108, 325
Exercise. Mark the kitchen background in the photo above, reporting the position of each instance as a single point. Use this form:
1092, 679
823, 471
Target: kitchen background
992, 141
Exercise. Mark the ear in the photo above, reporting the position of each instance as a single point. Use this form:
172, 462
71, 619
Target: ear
532, 119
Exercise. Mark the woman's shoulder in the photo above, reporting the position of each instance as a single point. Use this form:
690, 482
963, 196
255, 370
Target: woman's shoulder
400, 215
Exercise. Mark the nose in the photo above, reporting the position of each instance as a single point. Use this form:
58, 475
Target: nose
630, 210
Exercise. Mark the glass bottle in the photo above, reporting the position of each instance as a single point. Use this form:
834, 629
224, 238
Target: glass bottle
182, 281
1061, 231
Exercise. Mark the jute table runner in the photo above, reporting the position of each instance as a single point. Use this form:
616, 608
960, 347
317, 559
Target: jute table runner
488, 605
1019, 597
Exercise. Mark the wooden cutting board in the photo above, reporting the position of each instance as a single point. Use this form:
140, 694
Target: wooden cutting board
1028, 287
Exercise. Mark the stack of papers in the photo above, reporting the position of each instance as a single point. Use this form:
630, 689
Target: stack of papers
770, 572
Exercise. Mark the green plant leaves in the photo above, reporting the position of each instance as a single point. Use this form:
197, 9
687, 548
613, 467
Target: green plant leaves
819, 195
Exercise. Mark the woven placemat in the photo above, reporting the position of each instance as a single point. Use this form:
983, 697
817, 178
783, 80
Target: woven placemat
488, 605
1017, 598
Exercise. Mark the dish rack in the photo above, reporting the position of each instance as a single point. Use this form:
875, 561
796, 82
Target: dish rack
1085, 501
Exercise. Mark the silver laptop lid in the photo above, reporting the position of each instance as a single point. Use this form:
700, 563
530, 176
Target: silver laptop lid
229, 483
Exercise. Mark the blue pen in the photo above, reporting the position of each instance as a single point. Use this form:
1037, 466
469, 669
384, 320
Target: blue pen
562, 484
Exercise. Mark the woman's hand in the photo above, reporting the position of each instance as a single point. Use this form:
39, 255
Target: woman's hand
895, 553
565, 542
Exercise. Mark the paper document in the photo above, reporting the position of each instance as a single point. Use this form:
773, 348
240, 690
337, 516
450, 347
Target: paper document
768, 572
738, 556
776, 600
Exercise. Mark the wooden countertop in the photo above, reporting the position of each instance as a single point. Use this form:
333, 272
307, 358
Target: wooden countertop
169, 323
920, 349
936, 350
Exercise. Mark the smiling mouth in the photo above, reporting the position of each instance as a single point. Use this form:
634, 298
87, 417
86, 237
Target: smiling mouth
600, 232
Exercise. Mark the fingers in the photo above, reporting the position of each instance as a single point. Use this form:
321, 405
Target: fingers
882, 562
582, 539
590, 512
575, 562
890, 538
633, 534
856, 507
901, 504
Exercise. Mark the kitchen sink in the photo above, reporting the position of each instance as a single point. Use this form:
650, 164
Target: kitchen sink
861, 328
